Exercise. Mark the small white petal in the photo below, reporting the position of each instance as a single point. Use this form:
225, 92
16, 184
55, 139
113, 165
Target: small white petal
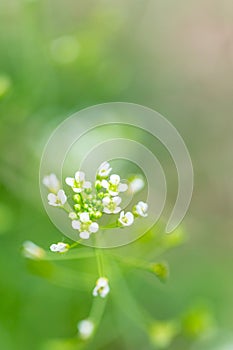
53, 247
70, 181
95, 291
79, 176
116, 200
130, 218
84, 217
113, 193
93, 227
105, 184
114, 179
107, 211
106, 200
76, 224
87, 184
84, 235
117, 210
105, 291
52, 197
122, 187
61, 196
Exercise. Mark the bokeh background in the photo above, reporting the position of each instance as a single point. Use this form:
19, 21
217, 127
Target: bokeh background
57, 57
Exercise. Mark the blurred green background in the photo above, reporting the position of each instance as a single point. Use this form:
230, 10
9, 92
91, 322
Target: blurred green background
57, 57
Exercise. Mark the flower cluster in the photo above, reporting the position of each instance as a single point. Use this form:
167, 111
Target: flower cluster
92, 201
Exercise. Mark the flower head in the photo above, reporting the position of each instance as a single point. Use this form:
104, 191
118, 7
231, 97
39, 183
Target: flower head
60, 247
85, 329
111, 205
52, 183
78, 183
102, 287
57, 200
32, 251
85, 226
126, 219
114, 186
104, 170
140, 209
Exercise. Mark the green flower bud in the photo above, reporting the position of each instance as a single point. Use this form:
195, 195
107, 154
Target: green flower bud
77, 198
97, 215
98, 185
85, 206
135, 213
88, 190
77, 207
100, 195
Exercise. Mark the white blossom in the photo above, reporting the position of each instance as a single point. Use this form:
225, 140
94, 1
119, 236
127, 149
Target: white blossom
102, 287
78, 183
52, 183
60, 247
126, 219
104, 170
111, 205
32, 251
141, 209
85, 329
85, 226
136, 185
57, 200
72, 215
114, 186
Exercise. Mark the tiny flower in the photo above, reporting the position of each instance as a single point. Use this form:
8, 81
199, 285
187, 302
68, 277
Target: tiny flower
60, 247
136, 185
141, 209
85, 226
102, 288
72, 215
111, 205
52, 183
104, 170
85, 329
32, 251
114, 186
78, 183
126, 219
57, 200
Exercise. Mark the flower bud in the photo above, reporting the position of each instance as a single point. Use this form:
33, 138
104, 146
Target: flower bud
98, 185
77, 207
77, 198
100, 195
97, 215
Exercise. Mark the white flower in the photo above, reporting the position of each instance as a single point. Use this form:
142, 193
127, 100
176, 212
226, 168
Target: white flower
72, 215
126, 219
78, 183
136, 185
85, 329
141, 209
102, 288
57, 200
114, 186
32, 251
60, 247
104, 170
85, 226
52, 182
111, 205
